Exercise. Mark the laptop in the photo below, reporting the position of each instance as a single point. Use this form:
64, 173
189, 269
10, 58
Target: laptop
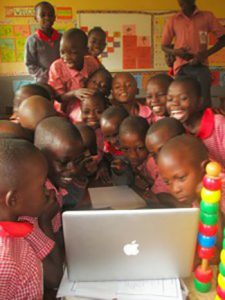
108, 245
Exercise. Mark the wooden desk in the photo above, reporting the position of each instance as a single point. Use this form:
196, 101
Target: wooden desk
194, 295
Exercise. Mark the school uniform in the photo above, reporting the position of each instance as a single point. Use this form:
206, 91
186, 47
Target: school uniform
211, 132
63, 79
148, 172
21, 275
57, 220
40, 52
192, 32
144, 112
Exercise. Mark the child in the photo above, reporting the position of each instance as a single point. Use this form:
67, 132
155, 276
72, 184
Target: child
183, 176
62, 145
132, 136
42, 48
20, 257
124, 91
100, 80
156, 95
91, 109
184, 98
33, 110
77, 190
68, 74
96, 41
25, 92
160, 132
110, 122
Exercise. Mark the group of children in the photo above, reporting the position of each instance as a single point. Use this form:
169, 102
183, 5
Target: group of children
79, 127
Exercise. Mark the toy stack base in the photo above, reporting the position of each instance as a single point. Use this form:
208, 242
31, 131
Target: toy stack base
221, 277
209, 216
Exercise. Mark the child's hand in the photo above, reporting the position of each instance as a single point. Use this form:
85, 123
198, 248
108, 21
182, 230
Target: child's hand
51, 208
103, 175
183, 53
90, 165
83, 93
118, 166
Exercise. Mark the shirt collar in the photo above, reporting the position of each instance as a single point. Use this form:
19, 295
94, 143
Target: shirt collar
15, 229
112, 149
44, 37
196, 11
206, 127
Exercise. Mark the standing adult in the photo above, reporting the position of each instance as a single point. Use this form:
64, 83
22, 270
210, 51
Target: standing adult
189, 29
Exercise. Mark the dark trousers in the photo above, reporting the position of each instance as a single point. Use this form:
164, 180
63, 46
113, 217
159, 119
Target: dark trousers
202, 74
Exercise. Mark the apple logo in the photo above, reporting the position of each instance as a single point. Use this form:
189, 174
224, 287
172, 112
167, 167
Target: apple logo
131, 249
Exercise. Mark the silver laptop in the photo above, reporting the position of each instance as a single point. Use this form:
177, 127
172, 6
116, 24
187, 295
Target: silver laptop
130, 244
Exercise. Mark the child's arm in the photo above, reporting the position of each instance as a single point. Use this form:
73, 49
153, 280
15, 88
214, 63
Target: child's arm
31, 61
53, 263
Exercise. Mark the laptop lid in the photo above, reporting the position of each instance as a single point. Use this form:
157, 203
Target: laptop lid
130, 244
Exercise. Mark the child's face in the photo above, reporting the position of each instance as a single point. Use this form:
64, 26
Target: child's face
65, 161
181, 101
182, 176
110, 130
32, 192
133, 147
45, 16
73, 52
91, 112
124, 88
99, 83
155, 141
96, 43
156, 97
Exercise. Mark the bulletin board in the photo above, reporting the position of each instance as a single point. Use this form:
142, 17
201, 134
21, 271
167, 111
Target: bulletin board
133, 38
17, 24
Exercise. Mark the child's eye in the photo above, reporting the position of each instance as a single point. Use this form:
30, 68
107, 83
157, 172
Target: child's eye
183, 97
141, 148
182, 178
166, 181
149, 97
169, 99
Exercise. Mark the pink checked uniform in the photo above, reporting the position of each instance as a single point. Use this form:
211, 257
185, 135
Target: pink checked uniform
21, 276
190, 32
212, 133
144, 112
57, 220
63, 79
149, 170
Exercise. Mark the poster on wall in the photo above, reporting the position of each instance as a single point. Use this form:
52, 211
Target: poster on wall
129, 39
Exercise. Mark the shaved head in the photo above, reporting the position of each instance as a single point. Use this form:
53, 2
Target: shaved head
172, 126
186, 147
15, 156
33, 110
135, 125
49, 131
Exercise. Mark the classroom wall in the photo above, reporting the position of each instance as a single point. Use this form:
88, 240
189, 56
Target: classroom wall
216, 6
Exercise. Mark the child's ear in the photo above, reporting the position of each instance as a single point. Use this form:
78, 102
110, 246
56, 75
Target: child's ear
11, 199
204, 164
